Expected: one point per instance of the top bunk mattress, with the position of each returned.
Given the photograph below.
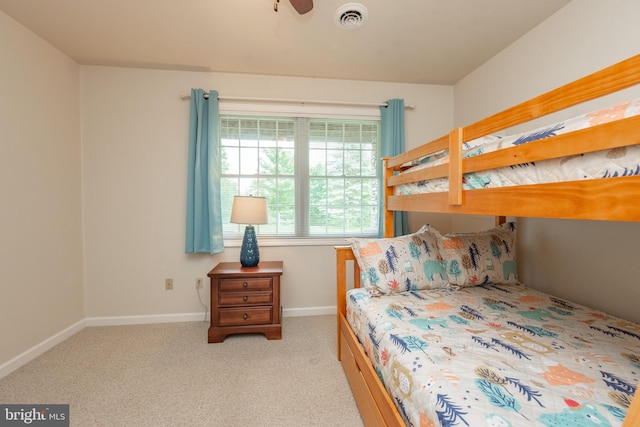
(498, 355)
(623, 161)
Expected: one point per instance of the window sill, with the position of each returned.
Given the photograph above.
(273, 242)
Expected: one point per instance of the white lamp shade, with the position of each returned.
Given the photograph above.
(249, 210)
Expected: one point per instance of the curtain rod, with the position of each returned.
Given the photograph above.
(297, 101)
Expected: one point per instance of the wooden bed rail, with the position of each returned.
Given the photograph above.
(608, 80)
(344, 254)
(374, 404)
(632, 419)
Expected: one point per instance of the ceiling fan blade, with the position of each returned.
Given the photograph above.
(302, 6)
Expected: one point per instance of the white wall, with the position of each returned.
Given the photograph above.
(93, 179)
(135, 129)
(41, 289)
(595, 263)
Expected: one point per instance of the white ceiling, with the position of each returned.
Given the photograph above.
(412, 41)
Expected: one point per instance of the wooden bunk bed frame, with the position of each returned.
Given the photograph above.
(611, 199)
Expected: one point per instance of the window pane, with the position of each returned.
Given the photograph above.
(230, 160)
(248, 187)
(320, 176)
(228, 189)
(335, 220)
(286, 221)
(248, 128)
(354, 220)
(335, 191)
(286, 133)
(248, 160)
(334, 132)
(318, 220)
(286, 161)
(285, 191)
(335, 165)
(317, 163)
(268, 161)
(269, 189)
(353, 192)
(317, 191)
(370, 219)
(370, 190)
(352, 163)
(267, 130)
(368, 164)
(229, 128)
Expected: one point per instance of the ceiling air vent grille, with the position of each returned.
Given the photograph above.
(351, 16)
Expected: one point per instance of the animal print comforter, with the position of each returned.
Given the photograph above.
(498, 355)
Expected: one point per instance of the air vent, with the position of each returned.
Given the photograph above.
(351, 16)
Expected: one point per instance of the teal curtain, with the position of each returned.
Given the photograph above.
(392, 143)
(204, 214)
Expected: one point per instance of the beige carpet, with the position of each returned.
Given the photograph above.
(167, 375)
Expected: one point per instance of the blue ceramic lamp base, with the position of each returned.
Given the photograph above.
(249, 254)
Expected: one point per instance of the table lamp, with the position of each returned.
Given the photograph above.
(249, 210)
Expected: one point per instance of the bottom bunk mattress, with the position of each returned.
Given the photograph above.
(498, 355)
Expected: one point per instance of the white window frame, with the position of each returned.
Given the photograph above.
(296, 109)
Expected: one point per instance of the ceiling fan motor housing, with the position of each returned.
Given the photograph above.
(302, 6)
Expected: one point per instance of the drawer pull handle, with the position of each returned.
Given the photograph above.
(245, 298)
(244, 284)
(245, 316)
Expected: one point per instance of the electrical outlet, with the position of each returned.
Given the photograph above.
(168, 284)
(199, 283)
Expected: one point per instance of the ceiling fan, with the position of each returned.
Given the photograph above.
(301, 6)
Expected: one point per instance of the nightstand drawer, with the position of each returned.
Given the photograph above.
(245, 298)
(244, 316)
(246, 284)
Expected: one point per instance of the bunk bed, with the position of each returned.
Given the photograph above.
(452, 162)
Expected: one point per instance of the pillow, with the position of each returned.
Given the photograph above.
(480, 258)
(406, 263)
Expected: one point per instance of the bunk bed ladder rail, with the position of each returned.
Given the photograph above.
(455, 166)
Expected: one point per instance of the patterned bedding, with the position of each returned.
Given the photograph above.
(498, 355)
(602, 164)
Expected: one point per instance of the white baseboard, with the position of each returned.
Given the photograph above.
(195, 317)
(145, 319)
(38, 349)
(309, 311)
(13, 364)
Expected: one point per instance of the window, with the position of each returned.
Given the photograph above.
(320, 176)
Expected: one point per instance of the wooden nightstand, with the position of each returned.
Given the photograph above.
(245, 300)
